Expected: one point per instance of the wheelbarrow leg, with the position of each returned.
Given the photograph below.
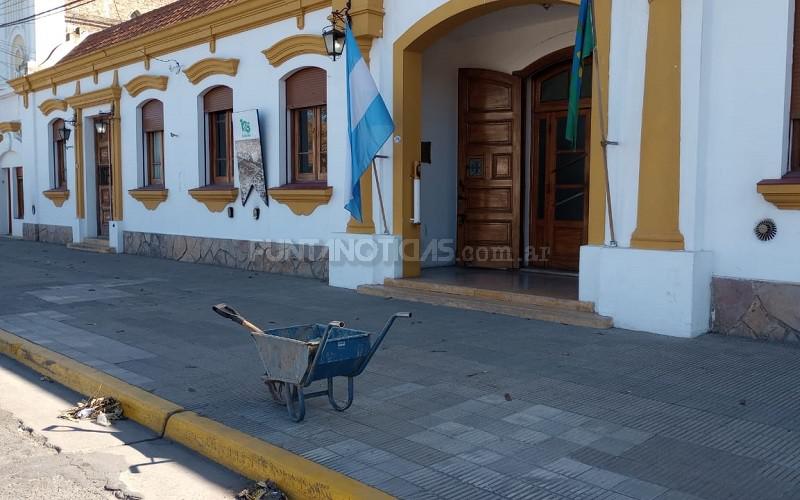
(332, 398)
(295, 402)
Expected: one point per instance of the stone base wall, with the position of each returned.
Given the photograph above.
(309, 261)
(756, 309)
(47, 233)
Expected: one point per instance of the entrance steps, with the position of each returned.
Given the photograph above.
(94, 245)
(521, 305)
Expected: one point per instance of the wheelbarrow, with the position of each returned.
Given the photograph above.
(296, 356)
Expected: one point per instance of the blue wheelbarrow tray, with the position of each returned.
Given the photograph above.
(288, 353)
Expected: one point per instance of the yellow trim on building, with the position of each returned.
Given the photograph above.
(146, 82)
(10, 127)
(597, 168)
(80, 205)
(204, 68)
(294, 46)
(57, 196)
(50, 105)
(784, 195)
(658, 224)
(215, 199)
(151, 198)
(300, 200)
(241, 16)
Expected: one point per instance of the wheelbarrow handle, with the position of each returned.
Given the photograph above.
(321, 347)
(232, 314)
(380, 338)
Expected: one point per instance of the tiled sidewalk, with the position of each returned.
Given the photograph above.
(457, 404)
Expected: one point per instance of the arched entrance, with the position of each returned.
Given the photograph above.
(407, 92)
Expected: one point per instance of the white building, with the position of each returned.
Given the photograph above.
(696, 96)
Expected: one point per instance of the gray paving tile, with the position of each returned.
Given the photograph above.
(640, 490)
(603, 478)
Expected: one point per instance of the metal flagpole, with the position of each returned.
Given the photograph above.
(380, 197)
(604, 133)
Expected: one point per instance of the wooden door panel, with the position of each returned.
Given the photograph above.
(496, 233)
(103, 179)
(494, 199)
(490, 95)
(489, 168)
(490, 133)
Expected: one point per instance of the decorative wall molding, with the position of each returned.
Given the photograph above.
(782, 193)
(301, 200)
(107, 95)
(146, 82)
(235, 18)
(51, 105)
(149, 197)
(214, 198)
(294, 46)
(204, 68)
(10, 127)
(57, 196)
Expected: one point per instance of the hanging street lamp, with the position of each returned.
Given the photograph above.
(333, 35)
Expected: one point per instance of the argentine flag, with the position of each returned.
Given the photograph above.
(369, 120)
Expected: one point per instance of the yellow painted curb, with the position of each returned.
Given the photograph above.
(298, 477)
(251, 457)
(138, 404)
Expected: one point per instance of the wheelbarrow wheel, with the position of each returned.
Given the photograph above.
(275, 388)
(332, 398)
(295, 401)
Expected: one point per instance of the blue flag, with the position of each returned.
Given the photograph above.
(584, 46)
(370, 124)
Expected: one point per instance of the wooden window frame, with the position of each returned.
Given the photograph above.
(59, 157)
(150, 146)
(316, 176)
(19, 184)
(211, 121)
(794, 115)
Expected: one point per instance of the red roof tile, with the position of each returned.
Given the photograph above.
(155, 20)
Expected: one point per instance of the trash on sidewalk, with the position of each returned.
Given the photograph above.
(262, 490)
(102, 411)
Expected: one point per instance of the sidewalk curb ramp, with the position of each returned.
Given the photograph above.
(253, 458)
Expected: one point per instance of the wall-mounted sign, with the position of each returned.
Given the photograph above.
(250, 161)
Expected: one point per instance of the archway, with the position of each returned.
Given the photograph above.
(407, 92)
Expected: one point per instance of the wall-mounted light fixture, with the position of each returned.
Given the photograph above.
(333, 35)
(101, 122)
(230, 212)
(64, 133)
(256, 213)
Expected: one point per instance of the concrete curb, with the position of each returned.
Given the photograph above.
(244, 454)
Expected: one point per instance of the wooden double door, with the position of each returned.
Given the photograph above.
(103, 178)
(491, 181)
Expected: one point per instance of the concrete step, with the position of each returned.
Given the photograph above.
(516, 298)
(94, 245)
(474, 303)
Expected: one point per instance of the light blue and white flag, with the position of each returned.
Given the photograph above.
(369, 120)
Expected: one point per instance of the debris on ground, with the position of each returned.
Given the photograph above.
(507, 396)
(45, 378)
(262, 490)
(102, 411)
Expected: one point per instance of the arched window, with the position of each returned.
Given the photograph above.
(59, 145)
(218, 106)
(153, 130)
(306, 102)
(19, 57)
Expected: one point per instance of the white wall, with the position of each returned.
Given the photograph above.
(491, 42)
(743, 136)
(257, 86)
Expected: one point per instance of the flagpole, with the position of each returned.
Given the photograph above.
(380, 197)
(603, 132)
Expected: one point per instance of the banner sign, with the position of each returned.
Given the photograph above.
(247, 146)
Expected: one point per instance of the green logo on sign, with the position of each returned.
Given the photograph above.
(245, 126)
